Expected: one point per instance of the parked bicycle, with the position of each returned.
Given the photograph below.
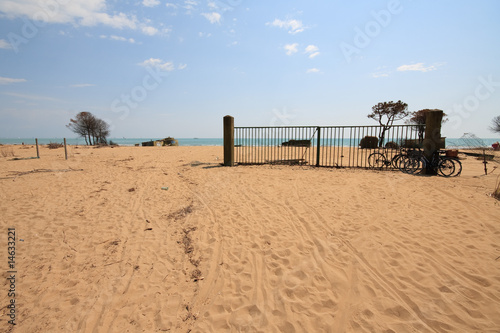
(378, 160)
(443, 165)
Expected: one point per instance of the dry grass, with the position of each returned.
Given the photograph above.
(7, 151)
(496, 192)
(55, 145)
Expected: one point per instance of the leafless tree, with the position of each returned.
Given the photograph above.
(93, 129)
(495, 124)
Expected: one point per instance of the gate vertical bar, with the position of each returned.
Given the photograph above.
(318, 148)
(228, 141)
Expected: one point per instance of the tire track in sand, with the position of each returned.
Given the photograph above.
(207, 288)
(115, 287)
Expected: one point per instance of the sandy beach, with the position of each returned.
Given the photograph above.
(164, 239)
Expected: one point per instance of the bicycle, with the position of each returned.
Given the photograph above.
(377, 160)
(442, 165)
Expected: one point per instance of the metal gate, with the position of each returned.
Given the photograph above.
(322, 146)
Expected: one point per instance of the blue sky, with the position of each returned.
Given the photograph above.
(156, 68)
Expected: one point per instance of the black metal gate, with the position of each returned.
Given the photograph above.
(322, 146)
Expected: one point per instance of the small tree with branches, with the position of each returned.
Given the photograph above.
(386, 113)
(420, 118)
(495, 124)
(94, 130)
(100, 131)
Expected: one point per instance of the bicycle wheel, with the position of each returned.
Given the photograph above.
(396, 161)
(458, 167)
(413, 165)
(446, 167)
(399, 161)
(377, 160)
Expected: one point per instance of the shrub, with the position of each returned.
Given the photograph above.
(411, 143)
(369, 142)
(55, 145)
(392, 145)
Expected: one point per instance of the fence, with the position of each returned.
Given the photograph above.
(321, 146)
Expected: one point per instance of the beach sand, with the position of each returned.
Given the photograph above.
(104, 246)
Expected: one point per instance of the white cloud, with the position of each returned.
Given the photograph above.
(119, 38)
(291, 48)
(166, 31)
(189, 5)
(379, 74)
(32, 97)
(4, 44)
(167, 66)
(150, 31)
(312, 50)
(212, 17)
(293, 26)
(123, 39)
(77, 12)
(171, 5)
(181, 66)
(82, 85)
(150, 3)
(312, 70)
(416, 67)
(8, 80)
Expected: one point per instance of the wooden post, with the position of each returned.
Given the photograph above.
(432, 140)
(37, 151)
(318, 148)
(65, 150)
(484, 162)
(228, 141)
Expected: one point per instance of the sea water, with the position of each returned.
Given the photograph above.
(119, 141)
(450, 142)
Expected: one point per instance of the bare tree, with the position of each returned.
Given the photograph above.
(93, 129)
(82, 125)
(386, 113)
(420, 118)
(101, 131)
(495, 124)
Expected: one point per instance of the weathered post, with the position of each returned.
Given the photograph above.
(318, 148)
(228, 141)
(37, 151)
(65, 150)
(432, 140)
